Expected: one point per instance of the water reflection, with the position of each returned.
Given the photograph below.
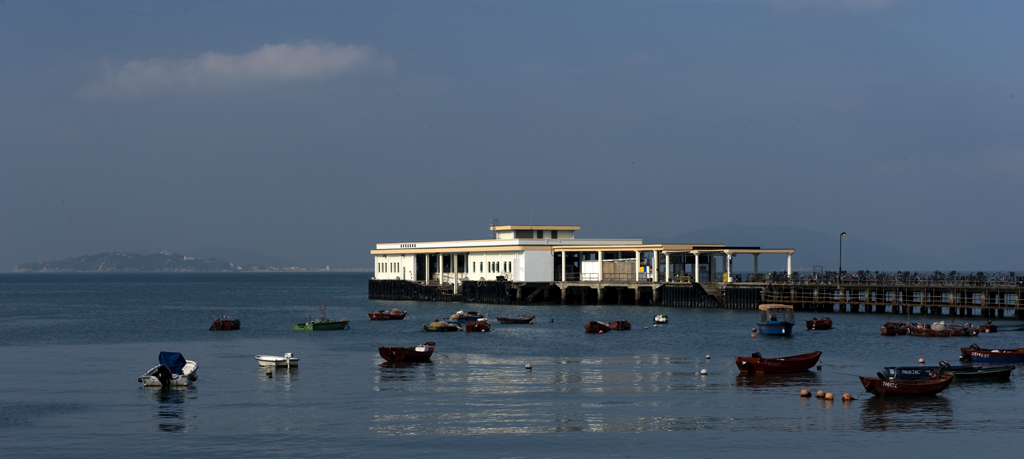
(906, 413)
(799, 379)
(171, 404)
(405, 371)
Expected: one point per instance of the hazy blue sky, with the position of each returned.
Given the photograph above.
(313, 130)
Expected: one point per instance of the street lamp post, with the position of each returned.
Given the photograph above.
(841, 236)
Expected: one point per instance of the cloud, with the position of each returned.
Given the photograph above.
(212, 71)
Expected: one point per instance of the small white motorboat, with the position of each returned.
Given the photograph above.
(661, 319)
(173, 370)
(288, 360)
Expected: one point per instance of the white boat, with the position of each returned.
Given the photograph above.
(661, 319)
(277, 361)
(173, 370)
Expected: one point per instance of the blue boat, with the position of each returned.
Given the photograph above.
(776, 319)
(971, 372)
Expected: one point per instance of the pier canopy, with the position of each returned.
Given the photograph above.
(552, 253)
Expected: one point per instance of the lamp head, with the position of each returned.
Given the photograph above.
(843, 235)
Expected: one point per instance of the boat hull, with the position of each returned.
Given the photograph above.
(516, 320)
(226, 324)
(277, 361)
(789, 364)
(904, 388)
(992, 355)
(819, 324)
(440, 326)
(419, 353)
(661, 319)
(160, 376)
(478, 326)
(961, 372)
(322, 326)
(775, 328)
(381, 315)
(620, 325)
(596, 327)
(894, 329)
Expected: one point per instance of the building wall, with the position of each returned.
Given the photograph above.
(539, 266)
(394, 267)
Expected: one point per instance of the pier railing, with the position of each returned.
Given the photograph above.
(900, 278)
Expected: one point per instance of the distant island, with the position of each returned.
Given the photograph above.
(163, 262)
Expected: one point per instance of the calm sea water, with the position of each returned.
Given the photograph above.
(73, 345)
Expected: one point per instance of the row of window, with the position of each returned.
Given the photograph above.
(389, 267)
(494, 266)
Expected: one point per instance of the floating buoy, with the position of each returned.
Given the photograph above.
(920, 360)
(753, 335)
(600, 331)
(753, 329)
(529, 367)
(645, 328)
(829, 396)
(551, 319)
(531, 321)
(805, 393)
(847, 397)
(707, 357)
(821, 393)
(655, 326)
(703, 372)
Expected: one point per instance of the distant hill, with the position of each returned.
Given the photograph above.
(120, 262)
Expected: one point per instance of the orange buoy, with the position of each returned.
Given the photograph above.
(753, 335)
(829, 396)
(920, 360)
(805, 393)
(753, 329)
(847, 397)
(821, 393)
(600, 331)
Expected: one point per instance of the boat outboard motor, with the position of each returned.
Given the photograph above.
(756, 355)
(943, 365)
(974, 346)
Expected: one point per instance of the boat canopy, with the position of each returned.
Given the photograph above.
(173, 361)
(776, 313)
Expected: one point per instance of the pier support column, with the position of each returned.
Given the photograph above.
(654, 296)
(600, 295)
(728, 267)
(755, 265)
(789, 264)
(600, 270)
(654, 264)
(696, 266)
(565, 289)
(636, 271)
(563, 275)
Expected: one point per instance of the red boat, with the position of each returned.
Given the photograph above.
(478, 326)
(596, 327)
(882, 387)
(978, 354)
(224, 323)
(927, 332)
(419, 353)
(894, 328)
(516, 320)
(621, 324)
(819, 324)
(988, 328)
(758, 364)
(393, 314)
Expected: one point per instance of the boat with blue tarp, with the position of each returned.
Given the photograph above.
(776, 319)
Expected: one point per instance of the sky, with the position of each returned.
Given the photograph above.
(313, 130)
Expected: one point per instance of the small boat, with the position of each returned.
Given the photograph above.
(441, 326)
(962, 372)
(962, 330)
(621, 324)
(419, 353)
(776, 319)
(322, 322)
(516, 320)
(393, 314)
(977, 354)
(661, 319)
(596, 327)
(895, 328)
(824, 323)
(225, 323)
(287, 360)
(930, 330)
(881, 386)
(463, 317)
(173, 370)
(988, 328)
(478, 326)
(758, 364)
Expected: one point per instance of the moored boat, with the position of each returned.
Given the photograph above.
(225, 323)
(516, 320)
(441, 326)
(621, 324)
(962, 372)
(287, 360)
(977, 354)
(478, 326)
(661, 319)
(419, 353)
(895, 328)
(824, 323)
(882, 386)
(928, 331)
(758, 364)
(463, 317)
(173, 370)
(596, 327)
(383, 314)
(776, 319)
(988, 328)
(322, 323)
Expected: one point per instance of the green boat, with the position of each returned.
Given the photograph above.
(322, 322)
